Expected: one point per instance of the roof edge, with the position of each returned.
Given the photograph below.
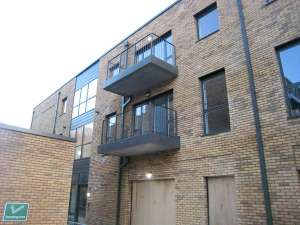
(37, 133)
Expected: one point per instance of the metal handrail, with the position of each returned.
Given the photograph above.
(139, 42)
(131, 55)
(151, 119)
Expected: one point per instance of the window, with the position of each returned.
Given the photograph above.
(269, 1)
(85, 99)
(115, 70)
(111, 128)
(155, 115)
(84, 137)
(78, 203)
(207, 21)
(290, 66)
(64, 105)
(215, 104)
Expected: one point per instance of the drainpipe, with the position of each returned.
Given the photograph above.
(55, 118)
(259, 138)
(123, 162)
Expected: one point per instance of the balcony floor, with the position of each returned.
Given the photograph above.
(140, 145)
(140, 77)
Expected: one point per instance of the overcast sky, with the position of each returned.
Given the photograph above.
(43, 44)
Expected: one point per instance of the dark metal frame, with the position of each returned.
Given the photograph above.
(204, 111)
(83, 126)
(202, 13)
(131, 124)
(111, 65)
(105, 121)
(287, 45)
(256, 116)
(87, 99)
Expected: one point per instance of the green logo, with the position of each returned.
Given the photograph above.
(15, 211)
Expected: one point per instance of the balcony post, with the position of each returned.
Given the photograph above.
(151, 45)
(152, 119)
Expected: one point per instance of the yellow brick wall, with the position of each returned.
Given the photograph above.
(36, 169)
(232, 153)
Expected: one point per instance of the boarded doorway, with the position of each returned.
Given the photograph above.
(153, 202)
(221, 201)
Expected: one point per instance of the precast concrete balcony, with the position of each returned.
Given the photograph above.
(147, 64)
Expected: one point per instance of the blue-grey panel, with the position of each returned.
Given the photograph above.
(83, 119)
(91, 73)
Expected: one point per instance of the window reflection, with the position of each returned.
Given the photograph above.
(290, 64)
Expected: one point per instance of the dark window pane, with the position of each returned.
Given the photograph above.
(215, 104)
(215, 93)
(73, 203)
(217, 121)
(82, 200)
(290, 63)
(208, 22)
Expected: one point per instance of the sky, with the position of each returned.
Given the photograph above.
(43, 44)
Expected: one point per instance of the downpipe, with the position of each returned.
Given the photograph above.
(259, 138)
(122, 163)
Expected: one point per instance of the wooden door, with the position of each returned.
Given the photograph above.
(153, 203)
(221, 200)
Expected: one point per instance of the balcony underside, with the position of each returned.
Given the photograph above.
(140, 77)
(140, 145)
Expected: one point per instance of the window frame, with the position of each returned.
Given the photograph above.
(286, 45)
(204, 111)
(107, 118)
(86, 99)
(203, 12)
(64, 102)
(82, 144)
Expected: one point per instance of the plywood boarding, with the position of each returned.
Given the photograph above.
(153, 202)
(221, 200)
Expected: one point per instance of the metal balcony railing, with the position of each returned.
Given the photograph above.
(151, 45)
(143, 120)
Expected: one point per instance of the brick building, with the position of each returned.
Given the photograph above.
(195, 119)
(36, 169)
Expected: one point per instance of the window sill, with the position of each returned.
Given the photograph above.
(81, 159)
(215, 134)
(293, 117)
(200, 39)
(269, 2)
